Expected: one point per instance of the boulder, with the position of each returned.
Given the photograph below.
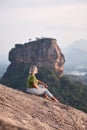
(43, 52)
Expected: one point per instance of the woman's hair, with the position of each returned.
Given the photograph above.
(33, 68)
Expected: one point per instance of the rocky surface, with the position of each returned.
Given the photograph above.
(21, 111)
(42, 52)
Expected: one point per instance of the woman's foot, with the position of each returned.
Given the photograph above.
(54, 99)
(46, 97)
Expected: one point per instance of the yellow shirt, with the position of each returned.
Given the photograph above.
(31, 79)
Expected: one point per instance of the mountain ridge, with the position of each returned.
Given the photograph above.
(81, 44)
(76, 56)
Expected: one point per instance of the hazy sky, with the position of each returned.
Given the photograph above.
(65, 20)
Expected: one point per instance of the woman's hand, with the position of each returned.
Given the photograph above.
(45, 85)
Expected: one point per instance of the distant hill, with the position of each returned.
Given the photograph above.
(76, 56)
(79, 44)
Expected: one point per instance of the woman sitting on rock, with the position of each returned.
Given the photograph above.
(37, 87)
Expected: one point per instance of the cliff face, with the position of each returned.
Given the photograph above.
(44, 52)
(21, 111)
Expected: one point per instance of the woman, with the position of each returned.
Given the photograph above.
(37, 87)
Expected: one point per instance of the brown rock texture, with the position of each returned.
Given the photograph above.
(42, 52)
(21, 111)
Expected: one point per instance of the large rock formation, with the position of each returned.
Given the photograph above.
(42, 52)
(21, 111)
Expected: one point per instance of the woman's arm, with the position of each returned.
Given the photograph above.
(45, 85)
(34, 85)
